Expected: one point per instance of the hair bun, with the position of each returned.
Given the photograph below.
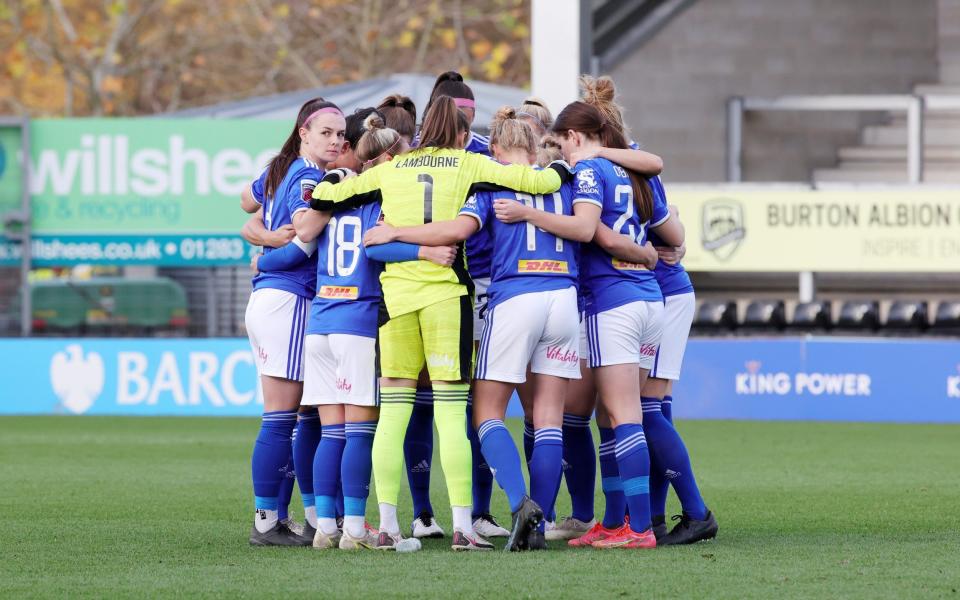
(373, 121)
(505, 113)
(597, 90)
(450, 76)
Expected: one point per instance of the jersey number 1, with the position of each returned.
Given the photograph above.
(427, 182)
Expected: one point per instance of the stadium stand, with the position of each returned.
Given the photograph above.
(947, 319)
(907, 316)
(812, 316)
(715, 317)
(767, 315)
(859, 315)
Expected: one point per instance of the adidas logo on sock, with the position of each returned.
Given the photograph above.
(564, 465)
(262, 514)
(671, 474)
(421, 467)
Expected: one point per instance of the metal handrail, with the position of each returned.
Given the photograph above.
(914, 105)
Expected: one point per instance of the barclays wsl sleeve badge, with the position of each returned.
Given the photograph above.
(722, 227)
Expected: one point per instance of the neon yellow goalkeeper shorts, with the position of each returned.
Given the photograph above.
(439, 335)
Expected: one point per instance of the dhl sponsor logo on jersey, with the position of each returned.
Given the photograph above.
(339, 292)
(622, 265)
(543, 266)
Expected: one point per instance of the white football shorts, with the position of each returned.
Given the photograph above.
(481, 285)
(584, 346)
(678, 312)
(539, 329)
(625, 334)
(340, 369)
(276, 321)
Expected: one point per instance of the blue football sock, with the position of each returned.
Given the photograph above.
(501, 454)
(666, 407)
(527, 442)
(616, 503)
(306, 437)
(326, 470)
(482, 475)
(355, 467)
(669, 457)
(418, 450)
(659, 486)
(285, 492)
(545, 468)
(634, 464)
(581, 465)
(271, 452)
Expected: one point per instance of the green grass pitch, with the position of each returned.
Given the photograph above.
(146, 507)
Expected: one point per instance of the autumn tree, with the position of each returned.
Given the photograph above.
(129, 57)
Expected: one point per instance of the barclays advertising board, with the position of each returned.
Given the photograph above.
(779, 379)
(129, 377)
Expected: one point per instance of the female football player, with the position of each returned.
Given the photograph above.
(340, 348)
(429, 307)
(451, 84)
(277, 310)
(531, 318)
(623, 305)
(400, 114)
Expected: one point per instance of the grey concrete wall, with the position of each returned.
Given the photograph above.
(674, 88)
(948, 50)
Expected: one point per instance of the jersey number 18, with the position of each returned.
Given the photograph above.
(343, 236)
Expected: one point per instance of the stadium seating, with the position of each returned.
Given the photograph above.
(812, 316)
(947, 319)
(859, 315)
(907, 316)
(766, 315)
(715, 317)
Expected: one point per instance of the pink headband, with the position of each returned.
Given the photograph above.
(325, 110)
(464, 103)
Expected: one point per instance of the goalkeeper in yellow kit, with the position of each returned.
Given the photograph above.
(429, 308)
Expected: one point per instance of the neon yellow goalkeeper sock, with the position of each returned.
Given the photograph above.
(396, 405)
(450, 414)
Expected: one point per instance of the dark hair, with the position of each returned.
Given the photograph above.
(290, 151)
(355, 128)
(442, 124)
(587, 119)
(400, 114)
(450, 84)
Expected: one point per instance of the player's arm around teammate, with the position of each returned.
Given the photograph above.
(623, 307)
(428, 307)
(276, 316)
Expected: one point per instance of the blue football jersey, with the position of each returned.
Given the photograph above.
(607, 282)
(477, 143)
(479, 248)
(673, 279)
(348, 282)
(298, 184)
(525, 258)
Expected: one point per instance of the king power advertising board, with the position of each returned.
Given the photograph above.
(781, 379)
(141, 191)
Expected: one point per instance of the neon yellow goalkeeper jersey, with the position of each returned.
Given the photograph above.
(423, 186)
